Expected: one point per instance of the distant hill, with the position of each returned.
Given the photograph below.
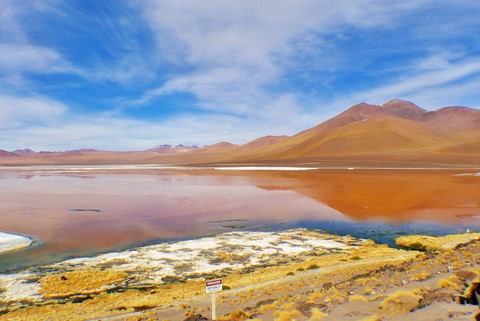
(396, 133)
(4, 153)
(23, 151)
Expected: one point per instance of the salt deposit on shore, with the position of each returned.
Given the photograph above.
(10, 242)
(197, 258)
(468, 174)
(192, 258)
(265, 168)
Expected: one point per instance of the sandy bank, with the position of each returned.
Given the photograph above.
(11, 242)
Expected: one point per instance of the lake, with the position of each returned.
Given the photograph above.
(83, 211)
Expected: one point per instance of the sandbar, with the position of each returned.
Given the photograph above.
(11, 242)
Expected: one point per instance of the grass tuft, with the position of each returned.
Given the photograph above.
(400, 302)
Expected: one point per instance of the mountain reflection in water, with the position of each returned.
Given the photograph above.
(88, 213)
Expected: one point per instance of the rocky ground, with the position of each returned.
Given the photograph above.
(292, 275)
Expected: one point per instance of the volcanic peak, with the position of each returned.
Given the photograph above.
(404, 109)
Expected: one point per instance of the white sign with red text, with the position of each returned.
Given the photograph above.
(213, 286)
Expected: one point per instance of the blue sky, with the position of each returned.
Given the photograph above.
(129, 75)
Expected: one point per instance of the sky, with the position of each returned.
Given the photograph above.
(134, 74)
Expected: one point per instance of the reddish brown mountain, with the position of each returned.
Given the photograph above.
(262, 142)
(404, 109)
(4, 153)
(395, 133)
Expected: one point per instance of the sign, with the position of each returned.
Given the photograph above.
(213, 286)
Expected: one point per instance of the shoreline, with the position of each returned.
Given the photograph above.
(174, 261)
(264, 271)
(229, 167)
(385, 235)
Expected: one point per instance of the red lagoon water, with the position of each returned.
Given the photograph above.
(88, 213)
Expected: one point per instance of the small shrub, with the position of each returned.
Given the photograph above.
(239, 315)
(300, 269)
(286, 315)
(226, 287)
(290, 273)
(450, 282)
(314, 297)
(317, 314)
(313, 267)
(355, 258)
(421, 276)
(361, 298)
(368, 290)
(400, 302)
(289, 306)
(333, 294)
(417, 246)
(267, 307)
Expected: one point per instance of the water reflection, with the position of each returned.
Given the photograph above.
(88, 213)
(73, 216)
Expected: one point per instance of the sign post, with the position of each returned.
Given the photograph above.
(212, 287)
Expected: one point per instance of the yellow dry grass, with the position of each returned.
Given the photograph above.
(441, 243)
(286, 315)
(360, 298)
(79, 282)
(400, 302)
(262, 279)
(317, 314)
(450, 282)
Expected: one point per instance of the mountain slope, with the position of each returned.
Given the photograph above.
(396, 132)
(404, 109)
(4, 153)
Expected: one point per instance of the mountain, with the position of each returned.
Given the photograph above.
(404, 109)
(395, 133)
(218, 148)
(4, 153)
(396, 129)
(172, 149)
(24, 151)
(456, 121)
(262, 142)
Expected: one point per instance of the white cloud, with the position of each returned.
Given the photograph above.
(234, 58)
(116, 133)
(237, 51)
(107, 132)
(20, 58)
(429, 82)
(20, 111)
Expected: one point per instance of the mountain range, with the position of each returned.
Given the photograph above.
(396, 133)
